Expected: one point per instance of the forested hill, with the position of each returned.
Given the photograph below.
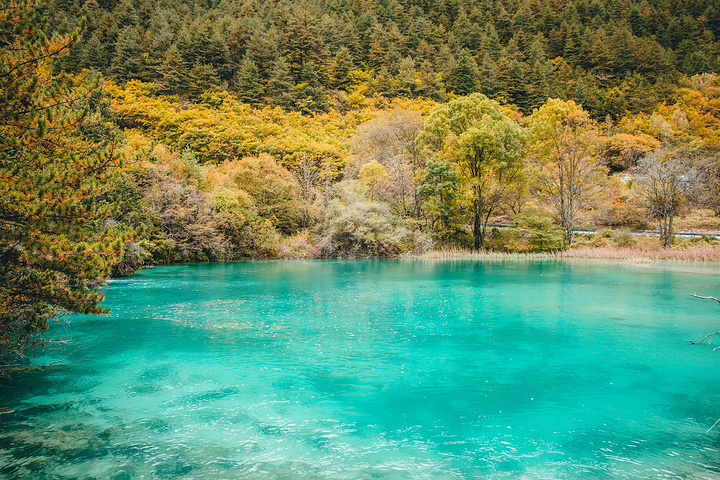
(611, 56)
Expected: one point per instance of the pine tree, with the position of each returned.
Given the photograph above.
(173, 75)
(160, 39)
(91, 12)
(425, 51)
(310, 94)
(429, 85)
(405, 79)
(503, 83)
(537, 87)
(465, 32)
(445, 64)
(279, 88)
(522, 25)
(126, 15)
(376, 56)
(93, 56)
(518, 94)
(392, 59)
(571, 52)
(262, 49)
(513, 50)
(536, 50)
(488, 76)
(127, 64)
(53, 251)
(200, 79)
(303, 41)
(248, 83)
(341, 68)
(490, 43)
(383, 83)
(466, 74)
(637, 22)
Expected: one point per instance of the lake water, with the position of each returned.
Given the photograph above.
(394, 369)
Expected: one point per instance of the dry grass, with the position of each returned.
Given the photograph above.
(638, 253)
(698, 220)
(700, 253)
(457, 252)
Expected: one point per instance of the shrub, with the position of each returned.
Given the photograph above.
(540, 230)
(184, 220)
(356, 228)
(623, 238)
(134, 256)
(534, 233)
(300, 245)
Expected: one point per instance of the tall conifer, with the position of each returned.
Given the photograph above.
(53, 250)
(248, 82)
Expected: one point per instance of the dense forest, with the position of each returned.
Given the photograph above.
(141, 132)
(611, 56)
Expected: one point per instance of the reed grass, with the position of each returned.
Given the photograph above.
(637, 253)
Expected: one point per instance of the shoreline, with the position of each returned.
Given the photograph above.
(700, 254)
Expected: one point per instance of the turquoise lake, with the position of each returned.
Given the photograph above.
(397, 369)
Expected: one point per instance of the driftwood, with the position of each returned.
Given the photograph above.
(709, 335)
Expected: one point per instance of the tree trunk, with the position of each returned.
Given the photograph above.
(478, 238)
(477, 235)
(666, 231)
(568, 235)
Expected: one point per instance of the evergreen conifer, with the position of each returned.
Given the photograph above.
(55, 163)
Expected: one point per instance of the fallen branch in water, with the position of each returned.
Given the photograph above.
(704, 298)
(709, 335)
(708, 430)
(705, 338)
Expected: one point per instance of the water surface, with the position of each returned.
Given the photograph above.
(393, 369)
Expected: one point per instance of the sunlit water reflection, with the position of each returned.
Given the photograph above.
(378, 370)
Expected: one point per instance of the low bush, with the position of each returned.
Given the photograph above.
(356, 228)
(533, 233)
(623, 238)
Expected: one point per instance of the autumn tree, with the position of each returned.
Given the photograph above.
(487, 147)
(273, 189)
(307, 175)
(392, 141)
(57, 157)
(564, 143)
(666, 184)
(439, 191)
(185, 221)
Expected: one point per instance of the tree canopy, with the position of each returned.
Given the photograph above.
(56, 243)
(612, 57)
(487, 148)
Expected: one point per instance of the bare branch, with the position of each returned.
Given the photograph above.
(708, 430)
(704, 298)
(705, 338)
(709, 334)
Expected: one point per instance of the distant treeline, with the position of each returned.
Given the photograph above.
(612, 56)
